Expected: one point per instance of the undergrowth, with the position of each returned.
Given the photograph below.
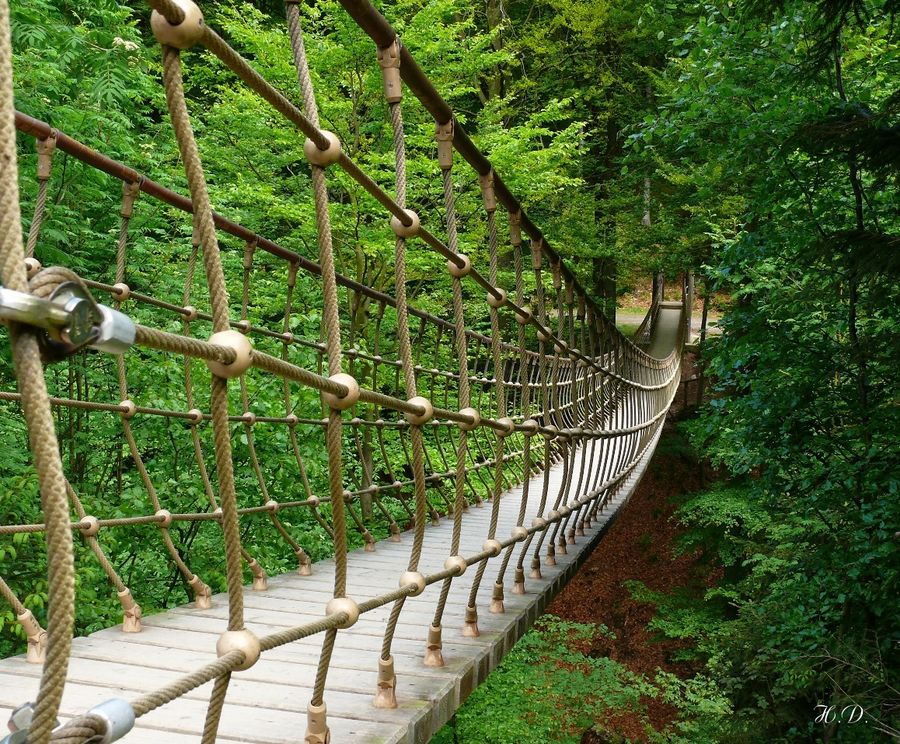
(548, 689)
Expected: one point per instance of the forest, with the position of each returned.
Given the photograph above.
(755, 143)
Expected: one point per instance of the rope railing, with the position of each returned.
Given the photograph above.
(364, 436)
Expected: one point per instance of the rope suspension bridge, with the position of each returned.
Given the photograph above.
(515, 446)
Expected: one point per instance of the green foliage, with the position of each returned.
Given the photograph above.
(769, 135)
(548, 689)
(91, 69)
(765, 145)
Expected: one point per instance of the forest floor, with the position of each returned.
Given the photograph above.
(641, 546)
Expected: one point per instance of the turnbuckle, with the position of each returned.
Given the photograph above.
(71, 318)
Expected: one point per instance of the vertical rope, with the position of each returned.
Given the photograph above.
(515, 238)
(445, 155)
(38, 417)
(409, 376)
(330, 306)
(218, 295)
(490, 205)
(45, 148)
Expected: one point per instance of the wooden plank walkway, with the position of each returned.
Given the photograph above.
(665, 330)
(267, 703)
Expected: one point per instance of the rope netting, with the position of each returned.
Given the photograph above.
(367, 437)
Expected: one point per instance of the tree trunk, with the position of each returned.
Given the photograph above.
(493, 84)
(689, 310)
(605, 284)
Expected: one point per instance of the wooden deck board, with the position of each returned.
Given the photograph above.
(267, 703)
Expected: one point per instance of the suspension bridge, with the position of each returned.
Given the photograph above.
(489, 462)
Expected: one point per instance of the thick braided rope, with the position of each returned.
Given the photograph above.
(45, 151)
(10, 596)
(499, 388)
(38, 416)
(409, 374)
(515, 235)
(215, 279)
(218, 295)
(464, 390)
(77, 731)
(214, 711)
(331, 319)
(214, 670)
(324, 661)
(330, 303)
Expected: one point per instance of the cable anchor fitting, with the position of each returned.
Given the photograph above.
(444, 135)
(130, 191)
(317, 731)
(386, 692)
(37, 638)
(389, 59)
(486, 181)
(515, 228)
(537, 253)
(45, 149)
(433, 655)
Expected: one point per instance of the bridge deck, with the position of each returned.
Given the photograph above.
(267, 703)
(665, 330)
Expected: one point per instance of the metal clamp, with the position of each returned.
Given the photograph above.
(20, 724)
(71, 318)
(117, 715)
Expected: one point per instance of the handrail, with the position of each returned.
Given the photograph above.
(415, 415)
